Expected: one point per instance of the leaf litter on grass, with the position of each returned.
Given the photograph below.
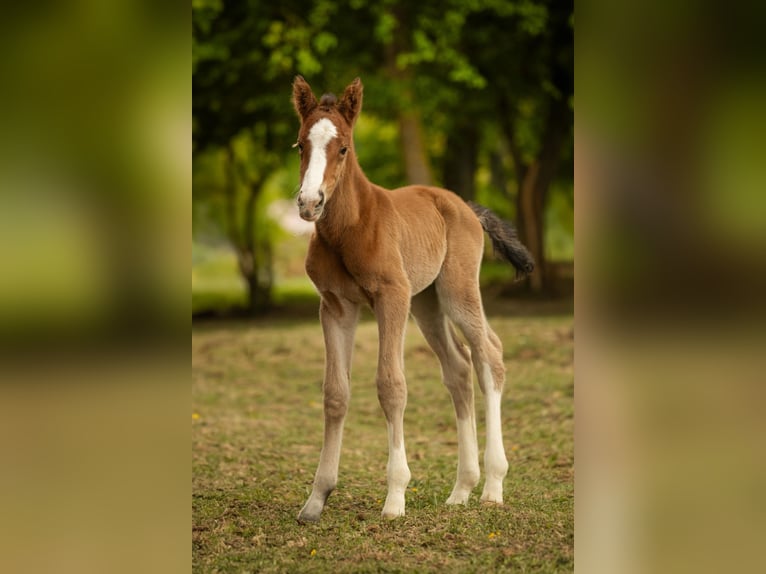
(254, 457)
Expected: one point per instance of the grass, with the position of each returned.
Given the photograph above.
(257, 432)
(218, 287)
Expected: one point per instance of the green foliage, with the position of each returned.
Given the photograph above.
(559, 219)
(377, 146)
(499, 65)
(385, 27)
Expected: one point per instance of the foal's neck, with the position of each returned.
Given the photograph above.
(349, 203)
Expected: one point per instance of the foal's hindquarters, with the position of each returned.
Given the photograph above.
(455, 297)
(456, 360)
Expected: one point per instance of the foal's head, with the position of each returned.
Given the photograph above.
(324, 142)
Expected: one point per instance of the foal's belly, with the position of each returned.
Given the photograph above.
(423, 264)
(423, 277)
(423, 248)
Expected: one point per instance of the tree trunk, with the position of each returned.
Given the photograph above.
(534, 180)
(416, 164)
(497, 176)
(258, 295)
(258, 279)
(461, 159)
(255, 270)
(529, 207)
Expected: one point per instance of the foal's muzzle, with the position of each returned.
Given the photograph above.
(311, 210)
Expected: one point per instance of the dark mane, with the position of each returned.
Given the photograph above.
(328, 100)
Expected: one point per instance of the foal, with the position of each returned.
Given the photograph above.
(416, 249)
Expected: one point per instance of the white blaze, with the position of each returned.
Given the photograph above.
(320, 134)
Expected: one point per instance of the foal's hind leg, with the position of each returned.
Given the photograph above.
(339, 318)
(492, 381)
(455, 362)
(462, 302)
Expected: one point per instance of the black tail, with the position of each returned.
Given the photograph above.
(505, 241)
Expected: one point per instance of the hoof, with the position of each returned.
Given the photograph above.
(458, 498)
(392, 509)
(306, 518)
(489, 500)
(309, 513)
(493, 492)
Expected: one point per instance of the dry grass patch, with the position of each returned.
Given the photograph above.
(257, 431)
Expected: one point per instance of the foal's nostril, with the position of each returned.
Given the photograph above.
(321, 199)
(301, 203)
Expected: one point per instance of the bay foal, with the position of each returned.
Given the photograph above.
(416, 249)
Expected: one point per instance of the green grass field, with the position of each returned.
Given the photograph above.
(257, 432)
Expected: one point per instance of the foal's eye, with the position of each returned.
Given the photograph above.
(343, 150)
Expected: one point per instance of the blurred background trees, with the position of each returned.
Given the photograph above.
(472, 95)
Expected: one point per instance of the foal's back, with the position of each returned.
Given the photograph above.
(421, 205)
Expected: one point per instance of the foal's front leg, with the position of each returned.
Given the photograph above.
(339, 318)
(392, 310)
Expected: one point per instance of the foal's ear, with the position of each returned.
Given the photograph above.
(303, 98)
(351, 102)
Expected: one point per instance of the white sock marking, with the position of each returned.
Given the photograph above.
(468, 461)
(398, 477)
(495, 463)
